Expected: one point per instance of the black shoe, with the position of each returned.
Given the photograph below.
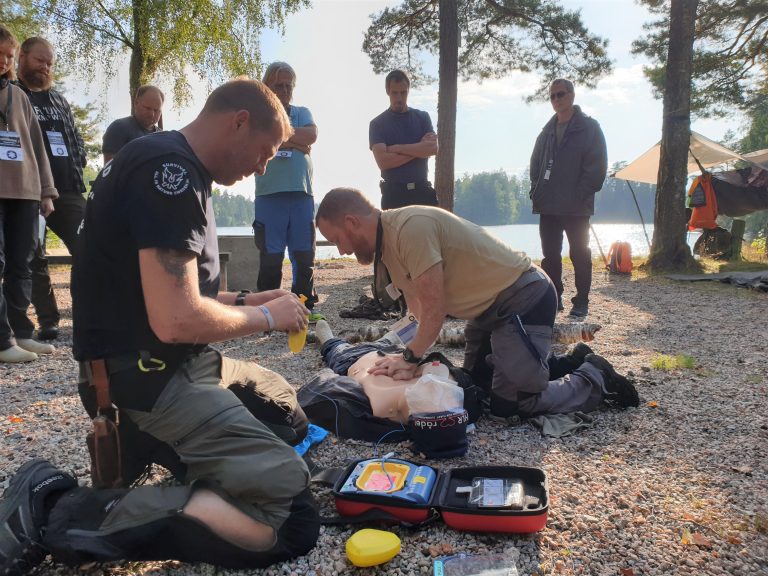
(578, 353)
(560, 306)
(23, 514)
(619, 389)
(48, 333)
(579, 310)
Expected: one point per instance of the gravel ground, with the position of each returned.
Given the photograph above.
(676, 486)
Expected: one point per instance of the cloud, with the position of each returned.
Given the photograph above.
(622, 87)
(477, 96)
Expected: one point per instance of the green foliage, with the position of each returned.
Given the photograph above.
(730, 47)
(19, 16)
(488, 198)
(217, 40)
(497, 37)
(87, 120)
(232, 209)
(669, 363)
(495, 198)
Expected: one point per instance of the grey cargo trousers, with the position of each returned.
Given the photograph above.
(521, 383)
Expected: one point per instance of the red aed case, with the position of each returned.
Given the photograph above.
(516, 498)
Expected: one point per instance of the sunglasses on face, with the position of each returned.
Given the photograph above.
(558, 95)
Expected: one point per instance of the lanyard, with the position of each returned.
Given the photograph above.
(5, 115)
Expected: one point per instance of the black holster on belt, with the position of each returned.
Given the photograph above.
(104, 438)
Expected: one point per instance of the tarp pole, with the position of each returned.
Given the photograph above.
(640, 213)
(598, 245)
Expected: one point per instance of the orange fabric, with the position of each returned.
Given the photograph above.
(705, 216)
(620, 258)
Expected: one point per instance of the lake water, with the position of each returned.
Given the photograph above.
(525, 237)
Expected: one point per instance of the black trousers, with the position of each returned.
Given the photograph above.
(18, 234)
(576, 228)
(398, 194)
(69, 209)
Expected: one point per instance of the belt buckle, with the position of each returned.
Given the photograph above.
(410, 186)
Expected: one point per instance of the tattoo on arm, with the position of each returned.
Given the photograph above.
(174, 262)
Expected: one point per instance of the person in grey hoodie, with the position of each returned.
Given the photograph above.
(568, 166)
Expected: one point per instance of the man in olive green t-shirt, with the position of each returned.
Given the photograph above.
(445, 265)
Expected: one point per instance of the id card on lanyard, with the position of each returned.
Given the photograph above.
(56, 143)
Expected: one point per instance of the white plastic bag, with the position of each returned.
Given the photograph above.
(432, 393)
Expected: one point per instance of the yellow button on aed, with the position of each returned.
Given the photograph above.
(369, 547)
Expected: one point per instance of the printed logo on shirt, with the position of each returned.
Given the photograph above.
(107, 169)
(172, 179)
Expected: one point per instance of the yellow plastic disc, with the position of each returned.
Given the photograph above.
(369, 547)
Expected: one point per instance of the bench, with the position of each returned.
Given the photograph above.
(66, 260)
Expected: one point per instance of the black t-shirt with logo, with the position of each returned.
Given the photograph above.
(51, 119)
(154, 194)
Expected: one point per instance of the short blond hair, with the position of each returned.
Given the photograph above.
(264, 108)
(342, 201)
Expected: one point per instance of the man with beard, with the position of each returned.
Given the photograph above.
(66, 154)
(144, 119)
(448, 266)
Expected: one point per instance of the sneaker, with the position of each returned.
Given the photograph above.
(23, 514)
(618, 388)
(314, 317)
(14, 355)
(48, 332)
(579, 310)
(34, 346)
(578, 353)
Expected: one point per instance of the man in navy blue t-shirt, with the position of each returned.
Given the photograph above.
(146, 302)
(402, 140)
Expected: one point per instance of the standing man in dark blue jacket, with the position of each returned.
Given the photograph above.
(568, 166)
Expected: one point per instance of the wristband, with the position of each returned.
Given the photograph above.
(268, 316)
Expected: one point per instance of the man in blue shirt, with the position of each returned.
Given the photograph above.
(402, 140)
(284, 206)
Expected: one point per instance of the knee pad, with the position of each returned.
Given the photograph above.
(270, 271)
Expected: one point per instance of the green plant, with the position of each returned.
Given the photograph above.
(668, 363)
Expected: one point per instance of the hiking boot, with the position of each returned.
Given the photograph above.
(579, 310)
(23, 514)
(48, 332)
(578, 353)
(618, 388)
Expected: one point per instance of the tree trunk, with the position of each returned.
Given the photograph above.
(446, 102)
(670, 250)
(138, 72)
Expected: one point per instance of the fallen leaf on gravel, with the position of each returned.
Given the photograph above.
(686, 539)
(15, 419)
(701, 540)
(747, 470)
(761, 522)
(653, 404)
(734, 540)
(627, 572)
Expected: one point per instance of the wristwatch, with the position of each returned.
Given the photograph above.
(410, 357)
(240, 298)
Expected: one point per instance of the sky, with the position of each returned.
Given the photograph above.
(495, 128)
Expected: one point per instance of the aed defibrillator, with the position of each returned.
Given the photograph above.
(509, 499)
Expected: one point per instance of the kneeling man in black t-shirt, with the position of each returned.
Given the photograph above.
(146, 303)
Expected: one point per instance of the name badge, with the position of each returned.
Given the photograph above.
(406, 328)
(10, 147)
(284, 154)
(393, 292)
(56, 142)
